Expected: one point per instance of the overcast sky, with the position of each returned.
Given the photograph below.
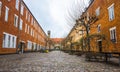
(51, 15)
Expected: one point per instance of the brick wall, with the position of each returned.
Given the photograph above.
(8, 27)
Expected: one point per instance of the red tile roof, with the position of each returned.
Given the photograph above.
(57, 40)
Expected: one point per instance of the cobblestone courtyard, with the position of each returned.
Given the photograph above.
(55, 61)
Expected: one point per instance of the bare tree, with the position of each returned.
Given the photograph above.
(75, 11)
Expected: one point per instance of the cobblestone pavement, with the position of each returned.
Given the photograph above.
(55, 61)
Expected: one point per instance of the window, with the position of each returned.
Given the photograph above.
(99, 28)
(26, 15)
(6, 13)
(26, 28)
(29, 18)
(0, 8)
(32, 21)
(111, 12)
(5, 40)
(34, 46)
(17, 4)
(21, 23)
(15, 20)
(9, 41)
(29, 45)
(113, 34)
(31, 31)
(22, 9)
(97, 11)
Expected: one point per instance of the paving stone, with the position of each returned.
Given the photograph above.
(55, 61)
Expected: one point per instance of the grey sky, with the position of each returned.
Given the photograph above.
(51, 14)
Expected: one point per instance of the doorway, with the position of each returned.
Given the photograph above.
(100, 45)
(22, 47)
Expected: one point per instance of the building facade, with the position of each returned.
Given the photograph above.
(19, 30)
(107, 25)
(101, 24)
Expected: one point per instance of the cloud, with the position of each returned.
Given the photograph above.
(51, 14)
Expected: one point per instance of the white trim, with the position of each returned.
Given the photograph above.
(112, 36)
(100, 28)
(6, 13)
(21, 24)
(16, 21)
(17, 4)
(22, 41)
(97, 10)
(112, 28)
(0, 8)
(111, 13)
(111, 5)
(26, 28)
(99, 40)
(12, 42)
(22, 9)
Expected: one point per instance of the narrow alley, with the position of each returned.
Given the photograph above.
(55, 61)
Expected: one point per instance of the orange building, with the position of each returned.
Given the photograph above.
(19, 30)
(107, 25)
(103, 19)
(57, 42)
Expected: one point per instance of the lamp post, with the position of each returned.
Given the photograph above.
(48, 39)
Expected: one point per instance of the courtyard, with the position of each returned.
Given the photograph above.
(55, 61)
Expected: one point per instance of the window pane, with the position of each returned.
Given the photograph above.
(6, 13)
(21, 23)
(9, 41)
(15, 20)
(22, 9)
(17, 4)
(0, 7)
(4, 38)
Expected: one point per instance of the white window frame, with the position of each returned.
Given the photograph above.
(29, 45)
(0, 8)
(31, 31)
(29, 17)
(111, 13)
(34, 46)
(15, 20)
(21, 24)
(112, 36)
(6, 13)
(99, 28)
(26, 27)
(7, 43)
(22, 9)
(97, 11)
(32, 21)
(17, 4)
(26, 14)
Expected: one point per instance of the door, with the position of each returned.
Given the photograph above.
(22, 47)
(100, 46)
